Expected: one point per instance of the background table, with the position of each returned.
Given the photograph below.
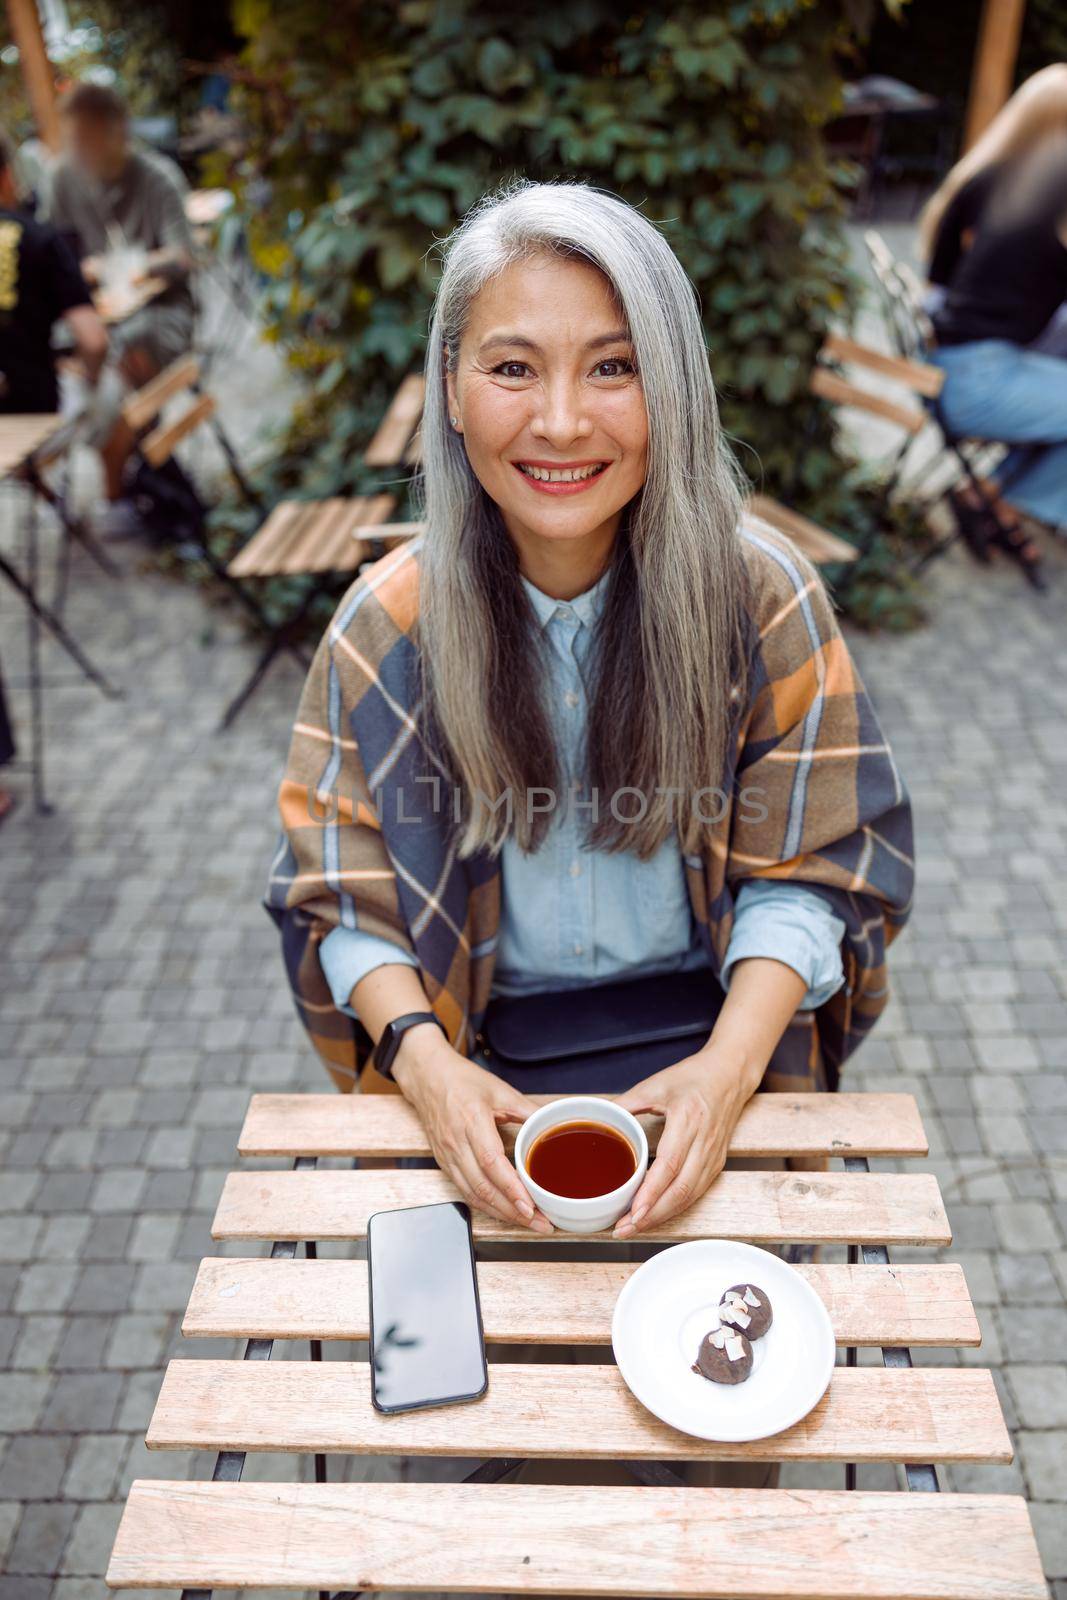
(656, 1538)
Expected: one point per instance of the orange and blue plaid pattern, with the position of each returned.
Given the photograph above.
(366, 844)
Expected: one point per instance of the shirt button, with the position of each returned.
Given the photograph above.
(570, 698)
(576, 869)
(578, 949)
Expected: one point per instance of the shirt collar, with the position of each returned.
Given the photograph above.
(586, 607)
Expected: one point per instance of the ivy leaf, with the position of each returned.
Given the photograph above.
(499, 67)
(397, 261)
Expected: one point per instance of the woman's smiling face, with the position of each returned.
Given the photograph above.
(550, 404)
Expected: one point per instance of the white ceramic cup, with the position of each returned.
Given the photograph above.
(599, 1211)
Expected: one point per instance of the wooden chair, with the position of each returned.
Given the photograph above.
(849, 375)
(157, 440)
(968, 460)
(324, 539)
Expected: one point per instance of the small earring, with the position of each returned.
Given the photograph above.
(454, 421)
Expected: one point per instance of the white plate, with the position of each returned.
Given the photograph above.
(667, 1307)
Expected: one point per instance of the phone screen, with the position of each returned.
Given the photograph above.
(427, 1347)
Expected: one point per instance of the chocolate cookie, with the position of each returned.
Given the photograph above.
(745, 1306)
(725, 1356)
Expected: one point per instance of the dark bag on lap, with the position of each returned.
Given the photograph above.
(601, 1039)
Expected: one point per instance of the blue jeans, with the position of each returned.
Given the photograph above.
(1003, 392)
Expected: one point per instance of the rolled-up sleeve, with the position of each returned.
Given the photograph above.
(347, 955)
(796, 926)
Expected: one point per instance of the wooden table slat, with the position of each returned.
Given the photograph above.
(581, 1413)
(21, 436)
(768, 1207)
(560, 1302)
(770, 1125)
(743, 1544)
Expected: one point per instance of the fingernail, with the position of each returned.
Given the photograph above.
(623, 1227)
(525, 1208)
(638, 1214)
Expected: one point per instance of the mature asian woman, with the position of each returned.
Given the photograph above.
(594, 733)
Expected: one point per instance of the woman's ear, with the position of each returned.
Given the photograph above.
(451, 396)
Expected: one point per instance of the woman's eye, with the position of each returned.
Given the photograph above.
(506, 369)
(621, 366)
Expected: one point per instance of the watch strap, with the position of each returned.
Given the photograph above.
(385, 1050)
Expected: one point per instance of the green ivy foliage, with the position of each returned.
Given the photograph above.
(378, 125)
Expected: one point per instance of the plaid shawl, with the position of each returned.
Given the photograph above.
(365, 841)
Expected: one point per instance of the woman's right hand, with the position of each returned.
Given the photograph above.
(462, 1108)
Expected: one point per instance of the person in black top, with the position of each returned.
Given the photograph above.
(955, 231)
(1003, 291)
(40, 283)
(1037, 109)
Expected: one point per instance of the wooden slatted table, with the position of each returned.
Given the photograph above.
(659, 1537)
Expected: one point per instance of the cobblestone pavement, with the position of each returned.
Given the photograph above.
(143, 1000)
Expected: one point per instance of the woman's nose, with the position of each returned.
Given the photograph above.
(562, 415)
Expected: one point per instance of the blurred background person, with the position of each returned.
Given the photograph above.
(948, 221)
(997, 236)
(126, 208)
(40, 284)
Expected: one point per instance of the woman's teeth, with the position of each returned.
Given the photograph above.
(566, 475)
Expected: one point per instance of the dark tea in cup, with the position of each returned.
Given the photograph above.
(581, 1159)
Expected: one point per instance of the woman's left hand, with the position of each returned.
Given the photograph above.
(701, 1099)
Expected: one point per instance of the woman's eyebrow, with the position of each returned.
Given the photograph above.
(619, 336)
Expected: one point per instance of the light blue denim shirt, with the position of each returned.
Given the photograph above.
(572, 916)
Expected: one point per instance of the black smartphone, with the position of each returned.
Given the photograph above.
(426, 1341)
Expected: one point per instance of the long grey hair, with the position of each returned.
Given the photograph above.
(670, 657)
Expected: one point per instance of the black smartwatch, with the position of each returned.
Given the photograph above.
(389, 1043)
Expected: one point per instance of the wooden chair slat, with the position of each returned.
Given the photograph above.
(771, 1207)
(315, 535)
(529, 1410)
(160, 443)
(829, 386)
(259, 557)
(818, 544)
(560, 1302)
(918, 376)
(312, 536)
(390, 534)
(879, 250)
(149, 400)
(394, 432)
(355, 538)
(770, 1125)
(340, 548)
(743, 1544)
(373, 510)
